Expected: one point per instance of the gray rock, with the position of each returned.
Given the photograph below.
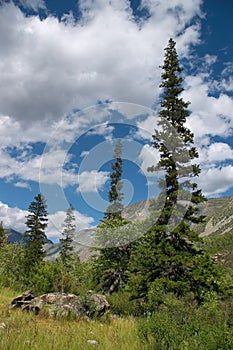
(62, 304)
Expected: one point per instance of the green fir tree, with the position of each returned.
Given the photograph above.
(111, 237)
(36, 223)
(68, 236)
(115, 196)
(169, 257)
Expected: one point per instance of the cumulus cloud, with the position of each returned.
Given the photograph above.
(56, 223)
(148, 157)
(104, 130)
(92, 181)
(14, 134)
(22, 185)
(49, 169)
(33, 4)
(49, 67)
(147, 127)
(209, 114)
(12, 217)
(215, 181)
(15, 218)
(215, 152)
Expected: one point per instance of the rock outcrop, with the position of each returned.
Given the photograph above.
(62, 304)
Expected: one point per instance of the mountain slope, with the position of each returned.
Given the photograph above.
(219, 221)
(14, 236)
(219, 216)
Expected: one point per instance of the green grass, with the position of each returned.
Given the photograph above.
(27, 331)
(174, 326)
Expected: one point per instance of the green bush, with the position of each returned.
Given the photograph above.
(43, 276)
(122, 305)
(179, 324)
(12, 269)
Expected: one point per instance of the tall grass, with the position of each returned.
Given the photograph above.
(26, 331)
(174, 326)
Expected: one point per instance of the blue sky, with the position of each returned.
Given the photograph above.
(78, 75)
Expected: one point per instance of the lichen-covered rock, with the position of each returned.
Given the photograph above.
(62, 304)
(22, 300)
(101, 304)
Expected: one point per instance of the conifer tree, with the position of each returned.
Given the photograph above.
(36, 222)
(175, 144)
(67, 240)
(113, 258)
(115, 195)
(167, 258)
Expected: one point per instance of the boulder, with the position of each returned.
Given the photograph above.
(62, 304)
(101, 305)
(22, 300)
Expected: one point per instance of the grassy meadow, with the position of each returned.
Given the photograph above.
(21, 331)
(174, 327)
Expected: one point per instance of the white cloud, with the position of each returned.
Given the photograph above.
(148, 157)
(216, 176)
(45, 168)
(33, 4)
(92, 181)
(215, 181)
(49, 67)
(210, 59)
(104, 130)
(56, 223)
(48, 169)
(216, 152)
(147, 126)
(84, 153)
(14, 134)
(22, 185)
(210, 115)
(15, 218)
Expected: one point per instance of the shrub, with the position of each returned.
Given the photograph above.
(121, 304)
(179, 324)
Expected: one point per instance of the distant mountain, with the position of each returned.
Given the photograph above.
(18, 237)
(14, 236)
(219, 221)
(219, 217)
(218, 212)
(82, 243)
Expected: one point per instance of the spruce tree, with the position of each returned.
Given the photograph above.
(168, 257)
(175, 144)
(67, 240)
(115, 195)
(36, 222)
(113, 256)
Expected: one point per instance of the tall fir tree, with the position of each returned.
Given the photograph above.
(36, 223)
(168, 257)
(115, 195)
(175, 144)
(68, 236)
(113, 259)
